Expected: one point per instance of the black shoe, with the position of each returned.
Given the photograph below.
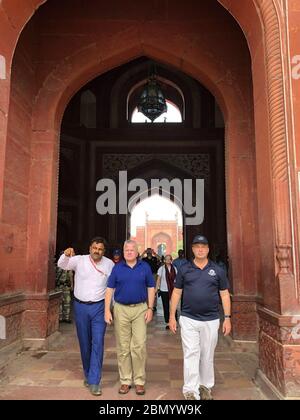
(167, 327)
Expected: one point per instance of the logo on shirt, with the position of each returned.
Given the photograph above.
(212, 273)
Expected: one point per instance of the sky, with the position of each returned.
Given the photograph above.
(172, 115)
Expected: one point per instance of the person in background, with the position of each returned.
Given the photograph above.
(180, 259)
(162, 260)
(220, 262)
(117, 256)
(178, 262)
(165, 284)
(64, 283)
(150, 257)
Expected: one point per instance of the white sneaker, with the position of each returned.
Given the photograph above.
(189, 396)
(205, 393)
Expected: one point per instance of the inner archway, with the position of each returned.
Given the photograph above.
(157, 223)
(194, 153)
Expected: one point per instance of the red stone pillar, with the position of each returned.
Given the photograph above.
(243, 212)
(11, 302)
(41, 315)
(7, 43)
(265, 24)
(279, 341)
(242, 227)
(25, 310)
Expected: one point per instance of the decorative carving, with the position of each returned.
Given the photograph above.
(271, 360)
(196, 164)
(278, 131)
(244, 320)
(283, 257)
(279, 355)
(284, 334)
(275, 88)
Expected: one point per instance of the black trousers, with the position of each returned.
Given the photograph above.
(166, 306)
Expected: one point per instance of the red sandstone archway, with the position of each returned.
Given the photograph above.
(262, 24)
(53, 99)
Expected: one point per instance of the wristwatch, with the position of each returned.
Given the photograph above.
(149, 307)
(227, 316)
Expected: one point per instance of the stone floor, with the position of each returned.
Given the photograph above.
(57, 373)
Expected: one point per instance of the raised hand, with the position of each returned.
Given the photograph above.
(69, 252)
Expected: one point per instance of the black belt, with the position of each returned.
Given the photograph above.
(130, 304)
(90, 302)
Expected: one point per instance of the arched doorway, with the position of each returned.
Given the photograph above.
(156, 222)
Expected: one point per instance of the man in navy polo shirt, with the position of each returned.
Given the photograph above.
(132, 284)
(202, 281)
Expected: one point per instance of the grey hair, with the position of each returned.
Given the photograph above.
(130, 242)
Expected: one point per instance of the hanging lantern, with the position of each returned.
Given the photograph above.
(152, 101)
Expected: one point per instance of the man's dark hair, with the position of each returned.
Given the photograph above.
(98, 240)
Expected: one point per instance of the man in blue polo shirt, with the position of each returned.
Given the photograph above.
(202, 281)
(132, 284)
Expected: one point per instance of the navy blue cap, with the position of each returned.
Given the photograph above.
(117, 252)
(200, 239)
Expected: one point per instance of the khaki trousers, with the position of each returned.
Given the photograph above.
(131, 332)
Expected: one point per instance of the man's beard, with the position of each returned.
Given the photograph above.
(96, 256)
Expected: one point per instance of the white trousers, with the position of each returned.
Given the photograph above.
(199, 340)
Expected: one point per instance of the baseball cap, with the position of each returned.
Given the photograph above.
(200, 239)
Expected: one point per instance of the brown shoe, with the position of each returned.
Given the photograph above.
(205, 393)
(140, 390)
(124, 389)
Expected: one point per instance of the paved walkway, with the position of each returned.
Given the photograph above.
(57, 373)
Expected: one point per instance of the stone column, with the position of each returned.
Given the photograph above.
(279, 340)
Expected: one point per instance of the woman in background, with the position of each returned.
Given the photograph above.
(166, 275)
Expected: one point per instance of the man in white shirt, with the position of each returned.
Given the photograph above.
(91, 274)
